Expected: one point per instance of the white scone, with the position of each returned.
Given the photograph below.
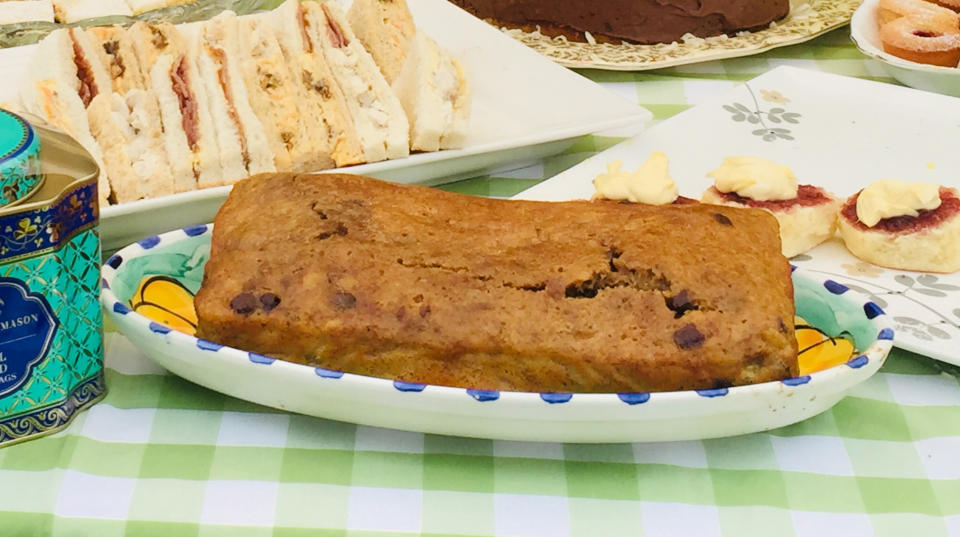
(802, 225)
(15, 11)
(928, 243)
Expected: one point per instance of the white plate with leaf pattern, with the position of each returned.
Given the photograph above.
(838, 132)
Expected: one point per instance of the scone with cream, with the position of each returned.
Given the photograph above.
(806, 213)
(651, 184)
(901, 225)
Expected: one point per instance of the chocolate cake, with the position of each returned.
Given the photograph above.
(637, 21)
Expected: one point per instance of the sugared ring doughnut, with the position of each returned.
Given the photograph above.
(909, 39)
(928, 15)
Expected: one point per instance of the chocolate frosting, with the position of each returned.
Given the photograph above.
(639, 21)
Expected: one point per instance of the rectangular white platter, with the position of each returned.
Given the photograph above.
(837, 132)
(525, 108)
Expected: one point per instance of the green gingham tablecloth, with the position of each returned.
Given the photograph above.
(163, 457)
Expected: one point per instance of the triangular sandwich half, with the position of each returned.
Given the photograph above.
(378, 117)
(385, 29)
(325, 121)
(435, 95)
(244, 150)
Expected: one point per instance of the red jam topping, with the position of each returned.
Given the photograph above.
(807, 196)
(949, 208)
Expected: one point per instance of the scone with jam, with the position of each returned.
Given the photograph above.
(806, 213)
(901, 225)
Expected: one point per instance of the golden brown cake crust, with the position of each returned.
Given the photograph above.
(421, 285)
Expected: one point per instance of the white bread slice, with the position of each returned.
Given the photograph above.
(133, 149)
(435, 95)
(68, 55)
(56, 102)
(325, 123)
(385, 29)
(193, 159)
(67, 11)
(272, 93)
(244, 150)
(12, 12)
(377, 115)
(115, 52)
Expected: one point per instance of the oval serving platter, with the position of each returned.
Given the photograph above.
(178, 258)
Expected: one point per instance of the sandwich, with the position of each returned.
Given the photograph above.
(378, 117)
(12, 12)
(127, 122)
(68, 11)
(435, 95)
(57, 102)
(241, 139)
(385, 29)
(150, 41)
(325, 121)
(273, 97)
(115, 52)
(128, 130)
(61, 83)
(188, 131)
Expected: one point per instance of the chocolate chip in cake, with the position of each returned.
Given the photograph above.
(269, 301)
(244, 304)
(315, 208)
(681, 303)
(783, 327)
(688, 337)
(424, 310)
(400, 313)
(344, 301)
(722, 219)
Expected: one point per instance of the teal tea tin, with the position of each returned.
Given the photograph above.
(51, 335)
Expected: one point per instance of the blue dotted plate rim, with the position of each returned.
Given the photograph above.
(874, 355)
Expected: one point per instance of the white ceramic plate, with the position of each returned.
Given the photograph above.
(866, 34)
(807, 20)
(524, 108)
(553, 417)
(839, 132)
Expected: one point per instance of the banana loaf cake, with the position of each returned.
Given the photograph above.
(420, 285)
